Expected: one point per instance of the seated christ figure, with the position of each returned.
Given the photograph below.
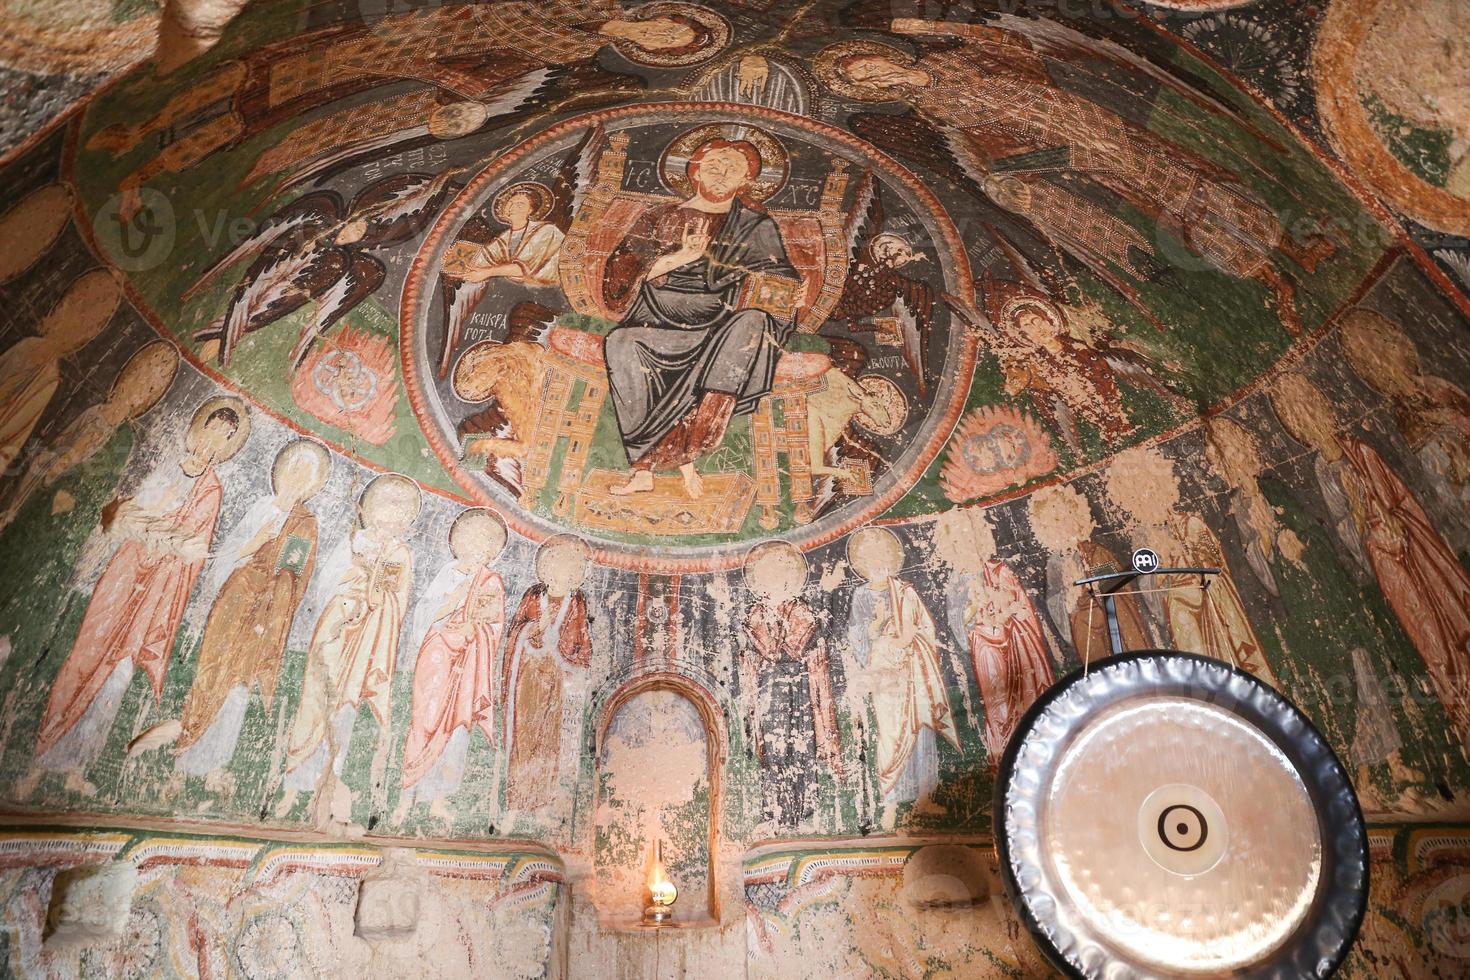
(692, 349)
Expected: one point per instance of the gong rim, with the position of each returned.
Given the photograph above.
(1318, 945)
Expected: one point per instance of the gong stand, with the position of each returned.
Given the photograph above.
(1103, 840)
(1105, 588)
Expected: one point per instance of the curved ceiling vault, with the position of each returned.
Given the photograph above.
(393, 391)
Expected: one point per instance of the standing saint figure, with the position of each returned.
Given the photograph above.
(1427, 588)
(354, 649)
(893, 638)
(1061, 519)
(1235, 456)
(1432, 413)
(1213, 621)
(57, 502)
(458, 627)
(261, 572)
(786, 681)
(547, 655)
(163, 535)
(29, 369)
(1296, 556)
(991, 612)
(140, 384)
(693, 350)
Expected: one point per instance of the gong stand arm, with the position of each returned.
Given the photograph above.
(1107, 586)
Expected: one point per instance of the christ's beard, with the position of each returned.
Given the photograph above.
(716, 197)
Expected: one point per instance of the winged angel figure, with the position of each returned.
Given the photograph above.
(988, 113)
(1069, 372)
(518, 242)
(317, 249)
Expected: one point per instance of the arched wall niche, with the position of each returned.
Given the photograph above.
(651, 727)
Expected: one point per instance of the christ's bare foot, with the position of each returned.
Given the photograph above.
(209, 350)
(693, 485)
(889, 818)
(927, 805)
(641, 482)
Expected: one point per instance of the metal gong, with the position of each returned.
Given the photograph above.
(1167, 815)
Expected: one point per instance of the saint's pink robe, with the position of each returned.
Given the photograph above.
(1428, 589)
(454, 676)
(1011, 663)
(135, 611)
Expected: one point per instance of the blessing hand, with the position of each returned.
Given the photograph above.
(753, 72)
(696, 240)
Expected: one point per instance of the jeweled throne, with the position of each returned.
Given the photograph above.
(817, 245)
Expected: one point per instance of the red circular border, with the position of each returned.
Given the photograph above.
(421, 276)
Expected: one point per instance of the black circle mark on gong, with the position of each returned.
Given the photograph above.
(1204, 828)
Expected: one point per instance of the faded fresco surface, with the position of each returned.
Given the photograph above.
(226, 906)
(52, 54)
(575, 424)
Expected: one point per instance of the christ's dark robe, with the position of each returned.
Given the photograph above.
(683, 336)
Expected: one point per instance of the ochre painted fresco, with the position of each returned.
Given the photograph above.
(556, 427)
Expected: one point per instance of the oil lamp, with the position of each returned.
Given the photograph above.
(661, 889)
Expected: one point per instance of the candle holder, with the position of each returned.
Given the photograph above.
(661, 890)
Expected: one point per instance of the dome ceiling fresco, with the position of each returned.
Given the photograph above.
(1147, 238)
(414, 420)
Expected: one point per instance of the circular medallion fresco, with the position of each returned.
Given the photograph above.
(569, 373)
(677, 328)
(1397, 109)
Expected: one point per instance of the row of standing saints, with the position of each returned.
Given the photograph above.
(524, 682)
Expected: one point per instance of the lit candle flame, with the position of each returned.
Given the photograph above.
(660, 887)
